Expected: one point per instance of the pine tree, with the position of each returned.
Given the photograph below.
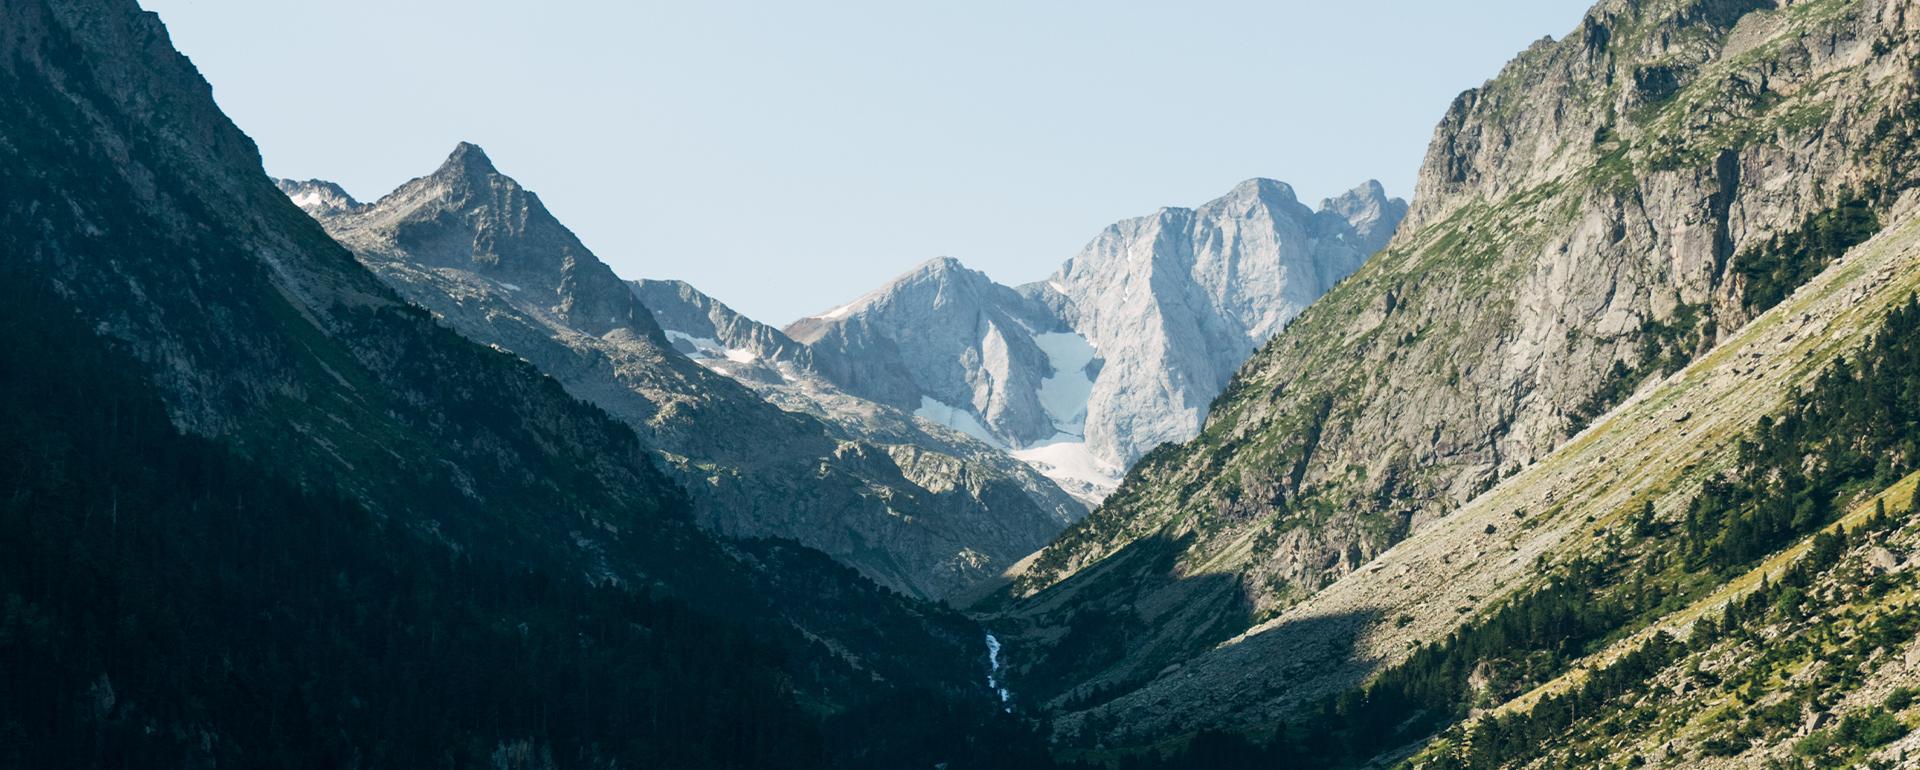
(1643, 522)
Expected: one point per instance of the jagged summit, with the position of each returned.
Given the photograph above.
(318, 196)
(941, 265)
(1121, 349)
(468, 159)
(1373, 215)
(687, 373)
(467, 215)
(1262, 189)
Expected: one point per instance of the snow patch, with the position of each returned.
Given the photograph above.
(1064, 395)
(934, 410)
(709, 348)
(838, 312)
(1066, 460)
(704, 345)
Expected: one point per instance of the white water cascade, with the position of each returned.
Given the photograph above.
(993, 672)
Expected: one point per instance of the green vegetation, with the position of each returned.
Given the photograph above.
(1856, 429)
(1786, 261)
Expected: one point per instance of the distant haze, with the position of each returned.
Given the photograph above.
(787, 157)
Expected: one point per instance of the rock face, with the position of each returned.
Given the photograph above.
(1586, 222)
(707, 331)
(780, 370)
(926, 515)
(1177, 301)
(1120, 350)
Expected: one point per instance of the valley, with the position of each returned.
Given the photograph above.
(1603, 451)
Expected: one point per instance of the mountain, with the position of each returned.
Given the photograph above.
(782, 371)
(1612, 207)
(261, 510)
(1120, 350)
(928, 516)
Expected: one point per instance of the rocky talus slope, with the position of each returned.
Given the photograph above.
(929, 518)
(1120, 350)
(1611, 206)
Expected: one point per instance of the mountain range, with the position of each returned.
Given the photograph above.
(1122, 349)
(919, 513)
(1604, 452)
(821, 445)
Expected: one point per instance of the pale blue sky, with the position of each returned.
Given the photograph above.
(786, 157)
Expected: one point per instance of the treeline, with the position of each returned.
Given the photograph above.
(1505, 740)
(1528, 639)
(1858, 427)
(1773, 270)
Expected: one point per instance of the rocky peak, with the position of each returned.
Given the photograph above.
(469, 216)
(1122, 348)
(713, 334)
(1259, 190)
(948, 278)
(1177, 301)
(318, 196)
(469, 161)
(1367, 209)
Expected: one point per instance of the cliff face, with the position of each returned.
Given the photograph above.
(1176, 301)
(1610, 206)
(1122, 348)
(928, 516)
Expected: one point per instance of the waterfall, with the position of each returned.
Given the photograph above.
(993, 672)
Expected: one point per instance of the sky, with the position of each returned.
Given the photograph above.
(786, 157)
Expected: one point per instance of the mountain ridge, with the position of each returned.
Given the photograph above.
(921, 515)
(1048, 371)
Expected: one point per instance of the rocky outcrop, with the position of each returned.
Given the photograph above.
(942, 337)
(1176, 302)
(318, 196)
(706, 330)
(929, 516)
(1119, 351)
(1586, 222)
